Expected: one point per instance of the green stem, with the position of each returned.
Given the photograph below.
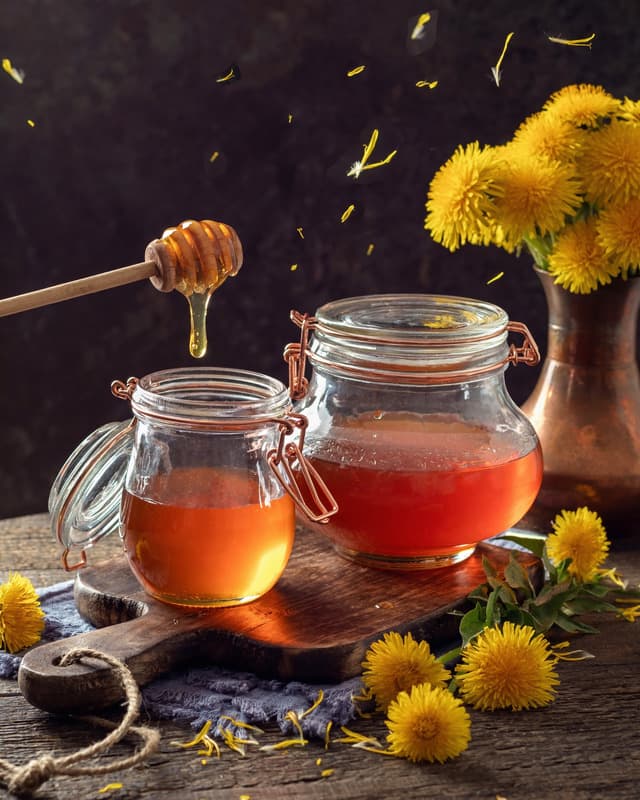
(539, 250)
(450, 655)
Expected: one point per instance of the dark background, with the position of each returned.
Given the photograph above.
(128, 113)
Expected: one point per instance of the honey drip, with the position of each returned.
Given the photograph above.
(198, 304)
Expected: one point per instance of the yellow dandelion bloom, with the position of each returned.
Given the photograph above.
(578, 262)
(580, 536)
(427, 724)
(546, 135)
(508, 667)
(610, 163)
(629, 110)
(538, 195)
(21, 618)
(582, 104)
(460, 201)
(619, 234)
(394, 663)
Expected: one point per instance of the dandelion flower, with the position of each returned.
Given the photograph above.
(610, 163)
(508, 667)
(427, 724)
(460, 198)
(619, 234)
(393, 664)
(580, 536)
(582, 104)
(545, 135)
(578, 262)
(21, 618)
(629, 110)
(538, 195)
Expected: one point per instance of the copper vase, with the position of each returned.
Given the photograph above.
(585, 406)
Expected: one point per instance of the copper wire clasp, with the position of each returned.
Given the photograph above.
(528, 353)
(122, 390)
(307, 489)
(295, 354)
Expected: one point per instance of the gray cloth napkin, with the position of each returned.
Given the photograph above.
(196, 695)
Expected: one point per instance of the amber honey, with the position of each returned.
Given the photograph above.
(210, 541)
(410, 489)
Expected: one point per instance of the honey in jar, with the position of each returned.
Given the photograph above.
(411, 425)
(209, 535)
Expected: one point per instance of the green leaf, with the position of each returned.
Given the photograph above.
(489, 569)
(585, 605)
(472, 623)
(596, 589)
(490, 612)
(495, 583)
(479, 593)
(573, 626)
(507, 595)
(519, 616)
(516, 576)
(534, 542)
(566, 589)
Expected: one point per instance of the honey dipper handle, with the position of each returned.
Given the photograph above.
(77, 288)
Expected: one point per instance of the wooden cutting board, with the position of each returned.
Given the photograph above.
(314, 625)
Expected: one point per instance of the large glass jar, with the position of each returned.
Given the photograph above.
(200, 484)
(412, 427)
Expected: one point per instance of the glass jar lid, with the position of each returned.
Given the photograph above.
(410, 338)
(84, 501)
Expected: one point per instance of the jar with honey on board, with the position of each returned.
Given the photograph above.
(200, 483)
(412, 426)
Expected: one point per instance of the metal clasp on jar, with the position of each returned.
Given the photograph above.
(528, 353)
(295, 354)
(304, 485)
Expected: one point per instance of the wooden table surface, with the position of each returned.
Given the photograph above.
(584, 745)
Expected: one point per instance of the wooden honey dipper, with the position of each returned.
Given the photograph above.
(194, 258)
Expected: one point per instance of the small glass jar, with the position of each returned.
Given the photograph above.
(411, 425)
(202, 484)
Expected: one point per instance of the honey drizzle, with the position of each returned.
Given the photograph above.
(198, 304)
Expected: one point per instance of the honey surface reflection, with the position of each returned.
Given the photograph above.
(209, 542)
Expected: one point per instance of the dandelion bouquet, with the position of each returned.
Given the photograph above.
(566, 188)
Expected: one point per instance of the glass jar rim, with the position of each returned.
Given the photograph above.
(209, 397)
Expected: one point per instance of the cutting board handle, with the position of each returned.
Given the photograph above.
(146, 648)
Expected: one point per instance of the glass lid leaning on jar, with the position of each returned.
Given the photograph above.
(202, 483)
(411, 425)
